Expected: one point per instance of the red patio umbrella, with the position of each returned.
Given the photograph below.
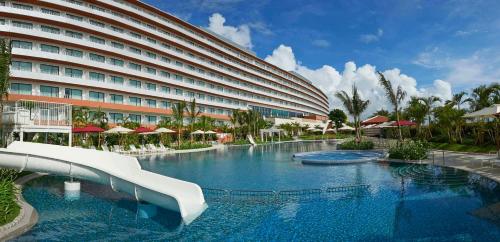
(143, 130)
(87, 129)
(404, 123)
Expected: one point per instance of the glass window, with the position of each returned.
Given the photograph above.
(49, 91)
(49, 48)
(74, 53)
(135, 35)
(22, 24)
(177, 63)
(165, 89)
(21, 66)
(117, 99)
(178, 92)
(96, 23)
(134, 83)
(151, 55)
(2, 21)
(151, 86)
(20, 88)
(71, 72)
(49, 29)
(97, 8)
(151, 119)
(152, 41)
(151, 70)
(97, 40)
(135, 118)
(95, 76)
(119, 30)
(22, 6)
(165, 59)
(135, 101)
(21, 44)
(50, 11)
(74, 34)
(116, 62)
(135, 50)
(117, 45)
(190, 81)
(116, 117)
(96, 57)
(96, 96)
(165, 104)
(151, 103)
(134, 66)
(178, 77)
(72, 93)
(49, 69)
(117, 80)
(74, 17)
(165, 74)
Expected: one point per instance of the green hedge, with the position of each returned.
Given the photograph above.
(409, 150)
(8, 205)
(353, 145)
(188, 146)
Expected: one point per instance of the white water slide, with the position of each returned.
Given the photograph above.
(123, 173)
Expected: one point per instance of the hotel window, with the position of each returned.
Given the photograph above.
(96, 96)
(74, 17)
(135, 118)
(71, 72)
(134, 83)
(135, 101)
(22, 24)
(152, 41)
(116, 117)
(151, 55)
(116, 62)
(21, 66)
(191, 68)
(49, 69)
(73, 93)
(177, 63)
(200, 83)
(151, 103)
(21, 44)
(96, 57)
(2, 21)
(165, 89)
(190, 94)
(74, 53)
(116, 29)
(151, 86)
(165, 59)
(134, 50)
(151, 70)
(117, 80)
(164, 74)
(22, 6)
(116, 99)
(20, 88)
(178, 77)
(97, 40)
(117, 45)
(178, 92)
(96, 23)
(49, 91)
(49, 29)
(165, 104)
(165, 46)
(98, 8)
(135, 35)
(73, 34)
(49, 48)
(134, 66)
(95, 76)
(50, 11)
(201, 96)
(190, 81)
(151, 119)
(75, 2)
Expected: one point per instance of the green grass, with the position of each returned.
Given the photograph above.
(10, 214)
(464, 148)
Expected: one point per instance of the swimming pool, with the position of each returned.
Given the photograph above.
(336, 157)
(402, 202)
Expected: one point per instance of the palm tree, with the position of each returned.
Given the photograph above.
(234, 118)
(355, 106)
(417, 112)
(205, 123)
(395, 97)
(5, 61)
(81, 116)
(100, 118)
(483, 96)
(193, 113)
(178, 113)
(429, 103)
(458, 99)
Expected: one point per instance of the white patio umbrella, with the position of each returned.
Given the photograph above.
(164, 130)
(346, 127)
(198, 132)
(489, 112)
(311, 128)
(118, 130)
(210, 132)
(330, 130)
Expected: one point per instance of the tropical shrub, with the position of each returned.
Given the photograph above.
(353, 145)
(409, 150)
(8, 205)
(188, 146)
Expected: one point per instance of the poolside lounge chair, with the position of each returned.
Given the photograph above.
(134, 150)
(143, 149)
(152, 148)
(92, 147)
(163, 148)
(105, 148)
(119, 149)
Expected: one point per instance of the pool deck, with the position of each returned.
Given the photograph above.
(482, 164)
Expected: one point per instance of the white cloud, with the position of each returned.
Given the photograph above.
(239, 35)
(368, 38)
(322, 43)
(329, 80)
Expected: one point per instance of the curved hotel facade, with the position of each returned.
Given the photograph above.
(131, 59)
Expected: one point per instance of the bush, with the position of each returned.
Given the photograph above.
(8, 205)
(409, 150)
(188, 146)
(353, 145)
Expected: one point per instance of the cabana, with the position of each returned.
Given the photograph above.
(270, 132)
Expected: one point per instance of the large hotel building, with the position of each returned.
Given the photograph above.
(132, 59)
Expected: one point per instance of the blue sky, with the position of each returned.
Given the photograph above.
(455, 42)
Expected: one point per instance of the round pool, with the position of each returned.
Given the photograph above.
(336, 157)
(245, 190)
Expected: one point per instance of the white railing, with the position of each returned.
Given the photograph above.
(37, 113)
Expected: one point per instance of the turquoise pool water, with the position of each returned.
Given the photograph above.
(402, 202)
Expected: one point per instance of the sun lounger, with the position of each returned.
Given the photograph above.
(134, 150)
(105, 148)
(152, 148)
(143, 149)
(92, 147)
(162, 147)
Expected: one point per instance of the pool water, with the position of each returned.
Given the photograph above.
(402, 203)
(336, 157)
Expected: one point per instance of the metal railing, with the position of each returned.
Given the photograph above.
(29, 112)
